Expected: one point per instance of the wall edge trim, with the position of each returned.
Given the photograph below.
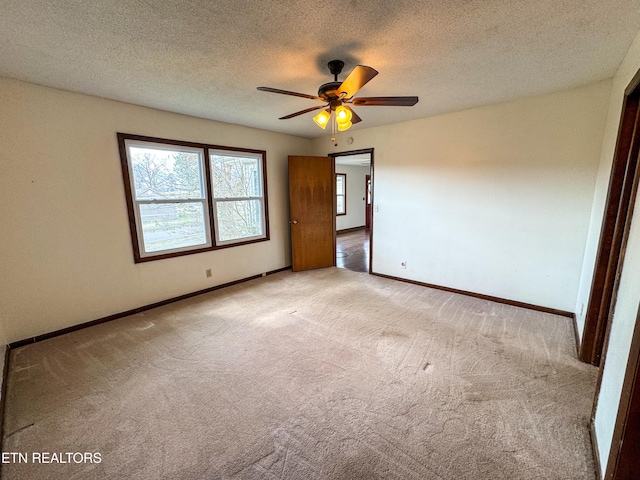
(513, 303)
(352, 229)
(576, 333)
(3, 390)
(594, 447)
(133, 311)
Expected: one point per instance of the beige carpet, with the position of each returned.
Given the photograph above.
(328, 374)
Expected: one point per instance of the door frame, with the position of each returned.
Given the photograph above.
(371, 173)
(616, 225)
(623, 462)
(368, 202)
(614, 231)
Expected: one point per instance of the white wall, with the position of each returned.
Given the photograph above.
(628, 299)
(355, 216)
(67, 255)
(494, 200)
(627, 69)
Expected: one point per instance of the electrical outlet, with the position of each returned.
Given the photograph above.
(208, 272)
(581, 309)
(377, 209)
(403, 264)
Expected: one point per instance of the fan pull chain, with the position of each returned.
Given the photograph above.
(334, 125)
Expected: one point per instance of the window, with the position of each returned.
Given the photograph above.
(238, 202)
(341, 193)
(186, 198)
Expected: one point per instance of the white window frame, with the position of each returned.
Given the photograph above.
(261, 198)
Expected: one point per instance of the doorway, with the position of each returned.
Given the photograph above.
(623, 462)
(354, 200)
(615, 229)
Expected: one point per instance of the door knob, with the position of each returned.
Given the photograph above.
(294, 221)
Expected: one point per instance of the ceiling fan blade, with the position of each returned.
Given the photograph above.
(302, 112)
(286, 92)
(354, 116)
(385, 101)
(357, 79)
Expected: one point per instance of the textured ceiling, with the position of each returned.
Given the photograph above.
(206, 58)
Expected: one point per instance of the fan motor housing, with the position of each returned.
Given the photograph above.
(328, 91)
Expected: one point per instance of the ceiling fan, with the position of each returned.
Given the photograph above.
(336, 95)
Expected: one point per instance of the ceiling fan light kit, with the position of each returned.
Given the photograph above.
(336, 94)
(322, 118)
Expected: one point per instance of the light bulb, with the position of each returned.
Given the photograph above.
(322, 118)
(343, 115)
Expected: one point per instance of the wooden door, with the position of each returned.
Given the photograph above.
(312, 212)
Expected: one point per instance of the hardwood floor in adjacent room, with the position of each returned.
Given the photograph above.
(352, 250)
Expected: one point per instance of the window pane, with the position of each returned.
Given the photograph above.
(172, 225)
(235, 177)
(340, 204)
(171, 200)
(165, 174)
(239, 219)
(340, 185)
